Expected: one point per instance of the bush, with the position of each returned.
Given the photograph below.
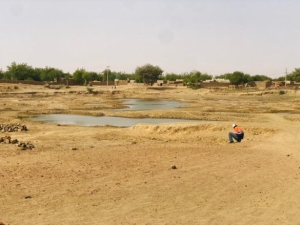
(194, 86)
(90, 90)
(281, 92)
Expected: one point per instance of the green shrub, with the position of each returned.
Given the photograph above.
(281, 92)
(194, 86)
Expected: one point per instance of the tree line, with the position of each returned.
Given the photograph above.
(143, 74)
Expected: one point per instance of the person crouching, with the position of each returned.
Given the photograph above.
(238, 134)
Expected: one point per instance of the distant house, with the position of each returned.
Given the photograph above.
(263, 84)
(219, 80)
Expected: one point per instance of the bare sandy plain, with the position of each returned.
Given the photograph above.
(124, 175)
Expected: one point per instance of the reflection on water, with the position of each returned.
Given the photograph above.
(132, 104)
(150, 104)
(100, 121)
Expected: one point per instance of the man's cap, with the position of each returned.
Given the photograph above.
(234, 125)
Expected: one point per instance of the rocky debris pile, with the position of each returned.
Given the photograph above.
(22, 145)
(13, 127)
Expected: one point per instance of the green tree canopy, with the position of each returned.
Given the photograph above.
(90, 76)
(107, 75)
(22, 72)
(259, 78)
(173, 76)
(1, 74)
(236, 77)
(125, 76)
(148, 73)
(78, 75)
(195, 77)
(294, 76)
(50, 74)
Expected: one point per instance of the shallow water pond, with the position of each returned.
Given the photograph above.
(100, 121)
(150, 104)
(143, 104)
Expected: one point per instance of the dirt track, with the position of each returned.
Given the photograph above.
(125, 176)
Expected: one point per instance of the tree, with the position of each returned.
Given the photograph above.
(195, 77)
(67, 76)
(236, 77)
(1, 74)
(22, 72)
(89, 76)
(39, 73)
(106, 75)
(172, 76)
(295, 75)
(148, 73)
(205, 76)
(78, 75)
(125, 76)
(259, 78)
(50, 74)
(55, 74)
(282, 78)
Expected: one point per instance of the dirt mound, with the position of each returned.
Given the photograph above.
(177, 128)
(204, 132)
(192, 128)
(261, 131)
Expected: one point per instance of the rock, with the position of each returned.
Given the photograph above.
(174, 167)
(5, 140)
(27, 197)
(15, 141)
(74, 149)
(13, 127)
(25, 146)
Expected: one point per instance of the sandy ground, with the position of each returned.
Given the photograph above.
(124, 175)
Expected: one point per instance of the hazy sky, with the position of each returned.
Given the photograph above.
(212, 36)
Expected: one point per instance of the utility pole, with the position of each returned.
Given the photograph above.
(107, 75)
(285, 76)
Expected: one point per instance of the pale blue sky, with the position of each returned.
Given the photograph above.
(213, 36)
